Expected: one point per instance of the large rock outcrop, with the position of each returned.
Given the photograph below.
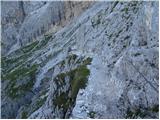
(24, 21)
(104, 64)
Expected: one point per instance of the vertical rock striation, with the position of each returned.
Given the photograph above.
(29, 20)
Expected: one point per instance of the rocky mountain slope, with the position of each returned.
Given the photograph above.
(104, 64)
(25, 21)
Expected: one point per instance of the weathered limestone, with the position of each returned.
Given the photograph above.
(121, 38)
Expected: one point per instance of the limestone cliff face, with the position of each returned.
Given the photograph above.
(103, 64)
(23, 22)
(12, 18)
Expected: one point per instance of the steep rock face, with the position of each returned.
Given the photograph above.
(29, 20)
(12, 17)
(123, 82)
(102, 65)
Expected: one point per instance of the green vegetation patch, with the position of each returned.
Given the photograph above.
(39, 103)
(44, 42)
(135, 114)
(132, 114)
(155, 108)
(20, 74)
(92, 114)
(63, 101)
(20, 56)
(24, 115)
(9, 64)
(78, 79)
(125, 10)
(29, 47)
(114, 5)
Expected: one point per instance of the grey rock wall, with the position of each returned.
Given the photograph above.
(29, 20)
(12, 18)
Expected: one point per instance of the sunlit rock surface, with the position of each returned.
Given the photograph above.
(103, 64)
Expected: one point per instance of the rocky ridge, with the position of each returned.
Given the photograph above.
(104, 64)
